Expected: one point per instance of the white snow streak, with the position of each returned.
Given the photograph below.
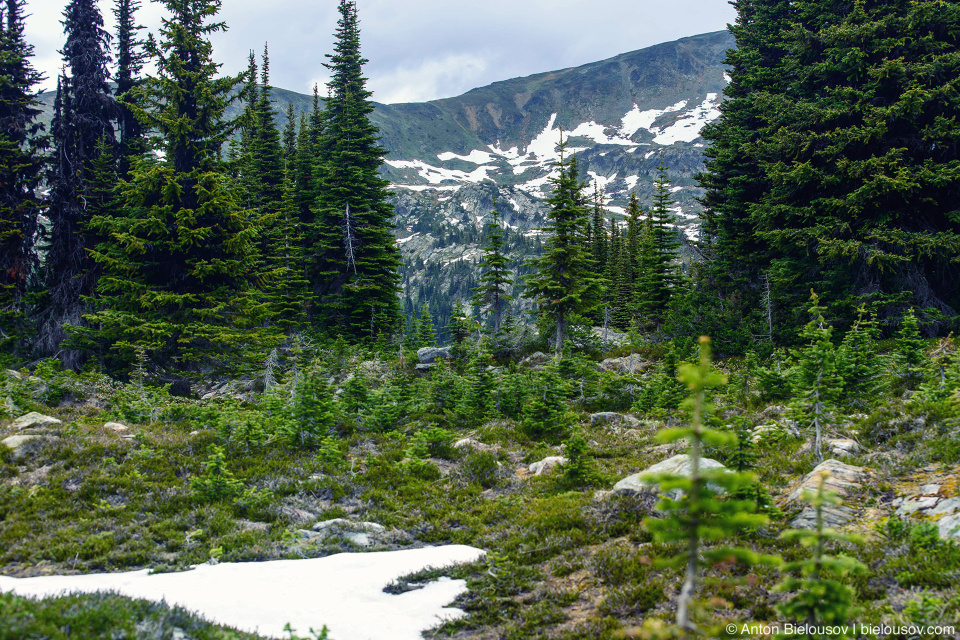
(687, 127)
(476, 157)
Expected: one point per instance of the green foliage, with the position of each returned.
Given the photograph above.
(698, 516)
(816, 176)
(424, 332)
(103, 615)
(312, 411)
(565, 282)
(544, 414)
(579, 470)
(493, 294)
(910, 356)
(858, 360)
(217, 482)
(354, 258)
(817, 595)
(178, 261)
(817, 385)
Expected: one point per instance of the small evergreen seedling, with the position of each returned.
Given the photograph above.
(698, 516)
(858, 361)
(817, 385)
(817, 596)
(217, 482)
(909, 351)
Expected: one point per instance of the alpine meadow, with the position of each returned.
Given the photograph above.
(659, 346)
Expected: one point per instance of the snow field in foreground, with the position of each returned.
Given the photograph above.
(343, 591)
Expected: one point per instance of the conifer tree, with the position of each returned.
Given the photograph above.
(824, 178)
(130, 58)
(178, 264)
(458, 329)
(910, 355)
(817, 385)
(696, 517)
(354, 268)
(303, 172)
(85, 116)
(817, 596)
(565, 283)
(599, 241)
(657, 278)
(21, 167)
(497, 279)
(265, 147)
(858, 361)
(426, 335)
(290, 141)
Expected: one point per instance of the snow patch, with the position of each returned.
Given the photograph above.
(601, 181)
(631, 182)
(635, 119)
(476, 157)
(687, 127)
(436, 175)
(343, 591)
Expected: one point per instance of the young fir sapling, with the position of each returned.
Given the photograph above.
(698, 516)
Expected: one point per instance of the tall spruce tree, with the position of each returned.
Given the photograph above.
(733, 179)
(848, 172)
(178, 263)
(493, 294)
(657, 278)
(354, 259)
(85, 117)
(130, 59)
(565, 283)
(21, 167)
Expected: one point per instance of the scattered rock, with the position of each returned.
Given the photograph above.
(949, 526)
(546, 465)
(297, 516)
(609, 417)
(627, 364)
(773, 411)
(423, 369)
(470, 443)
(17, 444)
(677, 465)
(33, 420)
(773, 430)
(429, 355)
(116, 426)
(537, 358)
(936, 501)
(14, 374)
(609, 337)
(833, 517)
(836, 446)
(843, 479)
(362, 534)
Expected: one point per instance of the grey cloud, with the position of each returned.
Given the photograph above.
(424, 49)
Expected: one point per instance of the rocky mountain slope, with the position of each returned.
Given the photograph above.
(451, 159)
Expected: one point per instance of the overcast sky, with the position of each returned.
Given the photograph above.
(421, 49)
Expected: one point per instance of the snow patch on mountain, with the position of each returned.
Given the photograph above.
(635, 119)
(687, 127)
(476, 157)
(437, 175)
